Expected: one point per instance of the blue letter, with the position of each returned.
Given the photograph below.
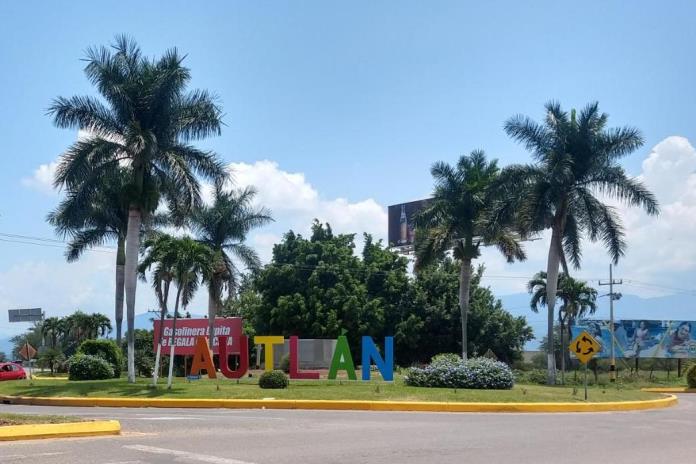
(370, 353)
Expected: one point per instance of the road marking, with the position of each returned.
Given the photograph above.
(186, 455)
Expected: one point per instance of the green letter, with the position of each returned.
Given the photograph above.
(342, 360)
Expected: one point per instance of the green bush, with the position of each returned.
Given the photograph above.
(445, 359)
(691, 376)
(105, 349)
(285, 364)
(274, 379)
(475, 373)
(88, 367)
(533, 376)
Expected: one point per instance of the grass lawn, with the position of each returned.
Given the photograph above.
(317, 390)
(23, 419)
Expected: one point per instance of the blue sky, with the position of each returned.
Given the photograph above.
(349, 104)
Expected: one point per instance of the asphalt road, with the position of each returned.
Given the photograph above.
(279, 437)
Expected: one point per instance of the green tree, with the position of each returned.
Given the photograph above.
(92, 217)
(577, 300)
(459, 218)
(145, 123)
(160, 256)
(193, 260)
(575, 158)
(223, 227)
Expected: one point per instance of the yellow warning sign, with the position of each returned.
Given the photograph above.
(584, 347)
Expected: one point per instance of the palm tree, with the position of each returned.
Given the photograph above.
(143, 125)
(51, 326)
(91, 220)
(458, 218)
(99, 325)
(160, 254)
(223, 227)
(193, 259)
(575, 158)
(577, 300)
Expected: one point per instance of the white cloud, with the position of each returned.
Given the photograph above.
(42, 178)
(295, 203)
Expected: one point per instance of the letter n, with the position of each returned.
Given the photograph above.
(371, 353)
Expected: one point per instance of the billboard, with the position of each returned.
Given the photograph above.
(401, 222)
(25, 315)
(188, 329)
(642, 338)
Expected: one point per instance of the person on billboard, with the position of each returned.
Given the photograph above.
(641, 338)
(680, 343)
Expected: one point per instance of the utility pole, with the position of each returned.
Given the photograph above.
(612, 296)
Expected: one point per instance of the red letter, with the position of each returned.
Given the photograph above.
(295, 363)
(203, 358)
(243, 357)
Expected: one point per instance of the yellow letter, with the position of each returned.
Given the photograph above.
(268, 341)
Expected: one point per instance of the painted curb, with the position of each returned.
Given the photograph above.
(68, 429)
(411, 406)
(669, 390)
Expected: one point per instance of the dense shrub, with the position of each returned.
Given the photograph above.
(88, 367)
(533, 376)
(445, 359)
(285, 364)
(447, 372)
(691, 376)
(105, 349)
(274, 379)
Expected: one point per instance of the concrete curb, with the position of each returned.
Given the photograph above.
(669, 390)
(412, 406)
(68, 429)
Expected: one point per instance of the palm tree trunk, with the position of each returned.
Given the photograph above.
(131, 279)
(551, 289)
(120, 275)
(172, 338)
(464, 289)
(213, 296)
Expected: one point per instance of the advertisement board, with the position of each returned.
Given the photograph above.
(188, 329)
(642, 338)
(402, 231)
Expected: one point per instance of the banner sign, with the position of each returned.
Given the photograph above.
(187, 330)
(642, 338)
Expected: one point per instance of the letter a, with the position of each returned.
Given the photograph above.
(342, 359)
(203, 358)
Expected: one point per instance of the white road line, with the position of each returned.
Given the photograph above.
(185, 455)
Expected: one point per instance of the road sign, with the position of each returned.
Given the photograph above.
(25, 315)
(584, 347)
(27, 351)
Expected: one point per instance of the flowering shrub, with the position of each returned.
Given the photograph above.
(448, 372)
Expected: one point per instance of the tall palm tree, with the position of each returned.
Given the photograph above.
(160, 256)
(575, 159)
(51, 327)
(193, 261)
(92, 220)
(144, 125)
(577, 300)
(99, 325)
(223, 226)
(459, 218)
